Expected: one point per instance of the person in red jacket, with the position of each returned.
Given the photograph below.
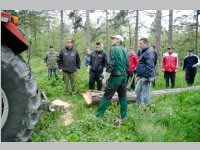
(170, 66)
(133, 60)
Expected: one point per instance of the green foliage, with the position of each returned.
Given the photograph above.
(168, 118)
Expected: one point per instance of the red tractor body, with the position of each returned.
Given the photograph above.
(14, 38)
(20, 95)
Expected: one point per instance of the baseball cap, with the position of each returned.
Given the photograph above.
(118, 37)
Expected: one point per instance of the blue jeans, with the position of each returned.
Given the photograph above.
(55, 73)
(143, 91)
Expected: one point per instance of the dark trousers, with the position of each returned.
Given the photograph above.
(55, 73)
(171, 76)
(129, 76)
(95, 77)
(190, 76)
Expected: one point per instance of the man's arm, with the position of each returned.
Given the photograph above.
(45, 58)
(163, 63)
(111, 61)
(198, 62)
(105, 60)
(78, 60)
(156, 57)
(184, 63)
(60, 60)
(177, 62)
(150, 60)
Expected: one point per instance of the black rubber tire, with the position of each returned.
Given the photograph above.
(23, 97)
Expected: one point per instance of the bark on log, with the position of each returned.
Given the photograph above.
(94, 97)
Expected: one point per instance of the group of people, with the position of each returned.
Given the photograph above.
(117, 67)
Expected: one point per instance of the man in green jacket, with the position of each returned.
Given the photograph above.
(117, 67)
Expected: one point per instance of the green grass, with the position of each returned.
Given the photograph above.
(169, 118)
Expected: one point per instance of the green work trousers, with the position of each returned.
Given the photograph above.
(115, 84)
(69, 78)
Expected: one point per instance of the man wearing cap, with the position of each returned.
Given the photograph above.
(145, 72)
(117, 67)
(170, 66)
(191, 61)
(50, 60)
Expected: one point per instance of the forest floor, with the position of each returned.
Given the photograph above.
(169, 117)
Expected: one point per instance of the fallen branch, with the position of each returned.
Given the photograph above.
(94, 97)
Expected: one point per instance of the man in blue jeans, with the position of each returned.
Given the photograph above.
(50, 60)
(145, 72)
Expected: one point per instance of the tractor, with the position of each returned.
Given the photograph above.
(20, 95)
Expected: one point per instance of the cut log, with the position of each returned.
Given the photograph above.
(94, 97)
(60, 105)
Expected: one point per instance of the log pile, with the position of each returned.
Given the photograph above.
(94, 97)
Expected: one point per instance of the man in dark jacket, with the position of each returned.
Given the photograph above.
(98, 61)
(145, 72)
(117, 67)
(190, 67)
(69, 64)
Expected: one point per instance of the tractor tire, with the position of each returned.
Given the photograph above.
(22, 95)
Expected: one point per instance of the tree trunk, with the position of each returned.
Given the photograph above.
(157, 36)
(170, 32)
(107, 33)
(49, 33)
(197, 26)
(130, 34)
(61, 29)
(94, 97)
(87, 28)
(136, 30)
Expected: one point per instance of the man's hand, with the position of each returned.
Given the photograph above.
(46, 64)
(88, 68)
(176, 70)
(77, 71)
(194, 66)
(61, 71)
(163, 70)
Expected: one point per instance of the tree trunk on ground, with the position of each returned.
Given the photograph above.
(94, 97)
(87, 28)
(61, 29)
(136, 30)
(170, 32)
(157, 36)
